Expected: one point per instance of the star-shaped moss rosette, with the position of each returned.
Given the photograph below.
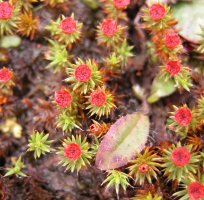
(100, 102)
(118, 59)
(66, 100)
(65, 30)
(181, 120)
(200, 108)
(202, 158)
(116, 179)
(115, 8)
(196, 141)
(6, 81)
(84, 75)
(200, 48)
(67, 121)
(54, 3)
(98, 129)
(157, 17)
(9, 16)
(167, 44)
(25, 5)
(16, 169)
(27, 25)
(180, 162)
(145, 166)
(180, 75)
(39, 144)
(148, 196)
(58, 56)
(191, 189)
(124, 50)
(75, 153)
(110, 33)
(113, 62)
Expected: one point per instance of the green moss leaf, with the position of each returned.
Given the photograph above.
(126, 136)
(11, 41)
(161, 88)
(190, 19)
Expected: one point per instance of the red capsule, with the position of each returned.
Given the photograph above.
(82, 73)
(157, 12)
(72, 151)
(109, 27)
(68, 25)
(98, 98)
(180, 156)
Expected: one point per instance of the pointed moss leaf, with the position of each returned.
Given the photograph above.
(126, 136)
(161, 88)
(190, 19)
(93, 4)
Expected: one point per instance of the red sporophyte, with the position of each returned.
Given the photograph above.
(109, 27)
(172, 39)
(98, 98)
(180, 156)
(196, 191)
(183, 116)
(82, 73)
(63, 98)
(121, 4)
(6, 10)
(5, 75)
(173, 67)
(68, 25)
(72, 151)
(144, 168)
(157, 12)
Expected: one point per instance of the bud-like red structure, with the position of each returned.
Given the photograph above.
(68, 25)
(183, 116)
(173, 67)
(98, 98)
(157, 12)
(72, 151)
(109, 27)
(144, 168)
(196, 191)
(172, 39)
(95, 128)
(180, 156)
(5, 75)
(121, 4)
(63, 98)
(6, 10)
(82, 73)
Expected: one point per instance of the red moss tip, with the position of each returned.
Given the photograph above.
(82, 73)
(68, 25)
(172, 39)
(98, 98)
(94, 128)
(183, 116)
(63, 98)
(180, 156)
(72, 151)
(121, 4)
(6, 10)
(144, 168)
(173, 67)
(196, 191)
(109, 27)
(5, 75)
(157, 12)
